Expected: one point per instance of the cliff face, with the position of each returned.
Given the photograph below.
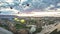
(4, 31)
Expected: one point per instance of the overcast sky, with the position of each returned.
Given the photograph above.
(21, 5)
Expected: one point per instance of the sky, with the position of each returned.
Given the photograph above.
(21, 5)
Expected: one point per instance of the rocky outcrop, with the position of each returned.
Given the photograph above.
(4, 31)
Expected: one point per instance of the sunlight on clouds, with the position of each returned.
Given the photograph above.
(23, 1)
(9, 1)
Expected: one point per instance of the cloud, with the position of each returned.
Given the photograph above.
(21, 5)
